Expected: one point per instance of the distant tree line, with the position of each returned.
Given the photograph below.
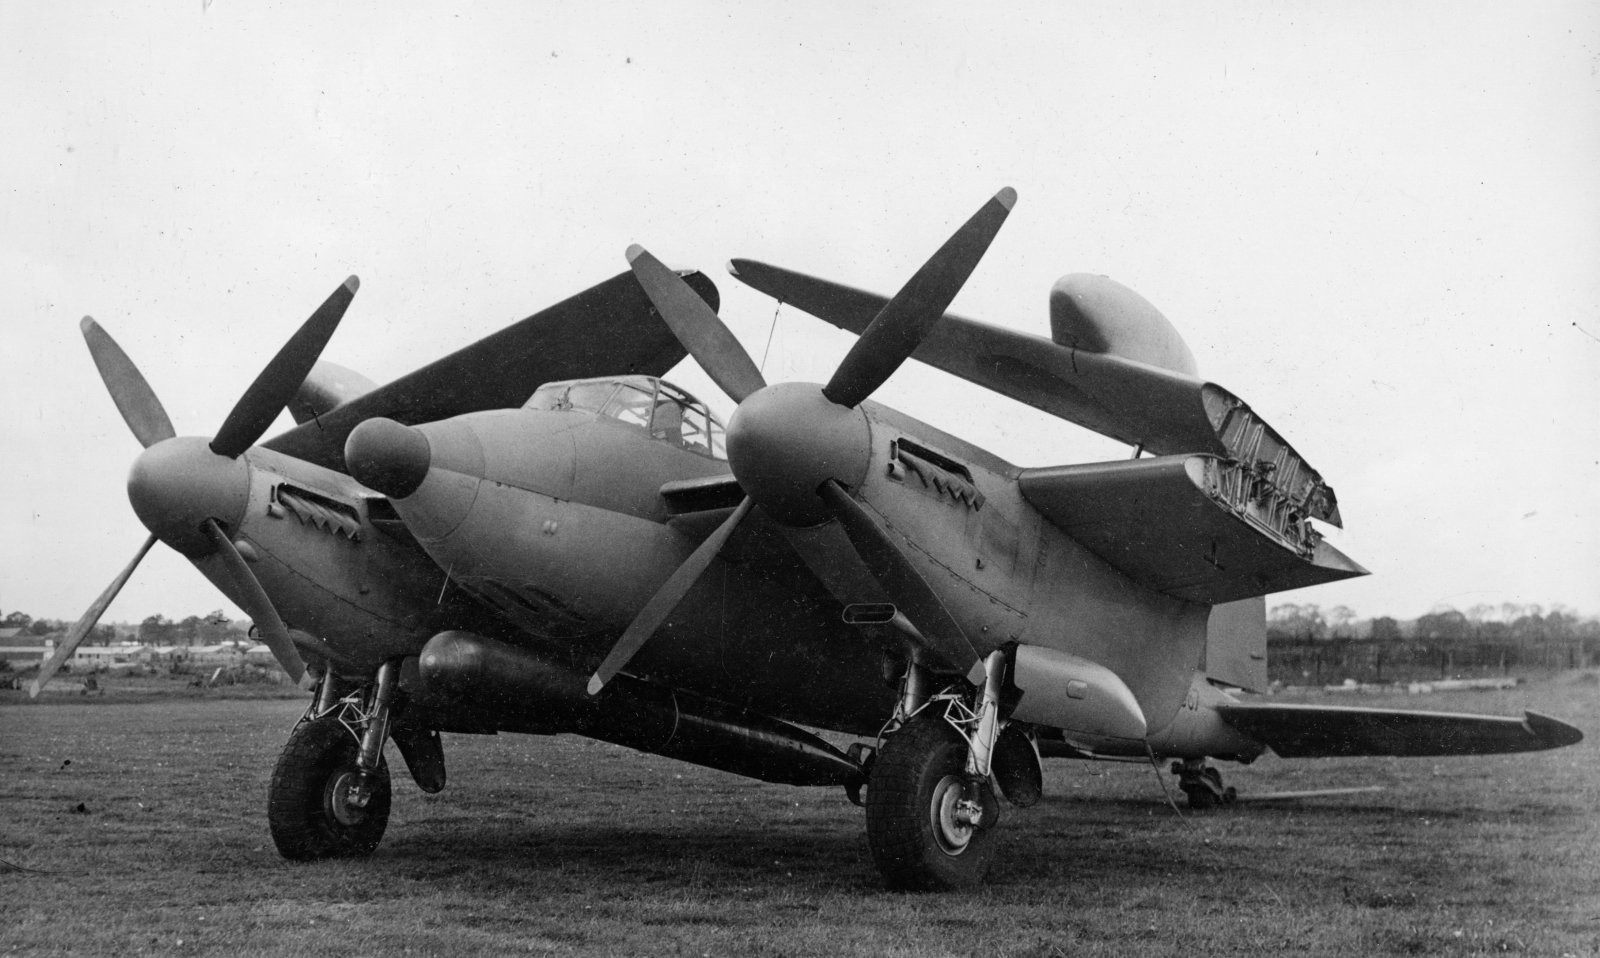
(212, 628)
(1306, 645)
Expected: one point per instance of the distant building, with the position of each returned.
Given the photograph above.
(123, 655)
(228, 654)
(22, 650)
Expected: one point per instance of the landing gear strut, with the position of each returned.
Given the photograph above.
(1202, 784)
(330, 793)
(931, 810)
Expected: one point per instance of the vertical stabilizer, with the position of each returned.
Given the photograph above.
(1236, 644)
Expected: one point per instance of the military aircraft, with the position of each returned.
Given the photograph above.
(538, 534)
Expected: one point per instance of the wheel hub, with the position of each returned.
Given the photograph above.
(346, 798)
(953, 818)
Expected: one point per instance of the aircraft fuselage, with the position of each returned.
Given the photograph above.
(555, 518)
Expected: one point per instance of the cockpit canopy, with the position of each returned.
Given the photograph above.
(665, 411)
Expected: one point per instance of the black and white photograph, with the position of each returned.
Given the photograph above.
(882, 479)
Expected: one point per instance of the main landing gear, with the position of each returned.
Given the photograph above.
(931, 808)
(330, 793)
(930, 826)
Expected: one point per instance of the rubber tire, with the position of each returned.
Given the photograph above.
(900, 800)
(298, 800)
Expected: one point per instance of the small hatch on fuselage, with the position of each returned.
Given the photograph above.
(644, 402)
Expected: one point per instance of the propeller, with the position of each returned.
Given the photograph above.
(251, 416)
(900, 326)
(276, 384)
(697, 327)
(655, 612)
(911, 593)
(257, 604)
(137, 402)
(91, 616)
(887, 342)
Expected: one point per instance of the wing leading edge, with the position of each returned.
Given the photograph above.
(1326, 731)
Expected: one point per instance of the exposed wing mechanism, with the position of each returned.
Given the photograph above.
(1196, 527)
(1325, 731)
(609, 328)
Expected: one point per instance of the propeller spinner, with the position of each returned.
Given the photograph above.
(188, 491)
(797, 448)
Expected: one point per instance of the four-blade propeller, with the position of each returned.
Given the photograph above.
(250, 418)
(890, 339)
(887, 343)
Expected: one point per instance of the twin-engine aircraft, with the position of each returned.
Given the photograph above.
(537, 534)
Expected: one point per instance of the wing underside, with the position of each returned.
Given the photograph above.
(1318, 731)
(1198, 528)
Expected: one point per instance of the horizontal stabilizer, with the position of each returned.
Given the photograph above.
(607, 329)
(1198, 528)
(1324, 731)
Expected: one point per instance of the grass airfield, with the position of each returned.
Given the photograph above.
(133, 822)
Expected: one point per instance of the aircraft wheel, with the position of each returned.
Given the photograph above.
(1200, 798)
(308, 810)
(920, 839)
(1206, 790)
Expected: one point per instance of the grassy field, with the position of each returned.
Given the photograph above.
(134, 823)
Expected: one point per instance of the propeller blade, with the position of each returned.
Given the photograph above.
(655, 612)
(903, 322)
(137, 402)
(277, 383)
(257, 604)
(75, 635)
(905, 586)
(697, 327)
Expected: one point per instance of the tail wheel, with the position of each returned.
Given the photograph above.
(309, 808)
(1206, 790)
(919, 823)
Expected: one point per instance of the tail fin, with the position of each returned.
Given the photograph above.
(1236, 644)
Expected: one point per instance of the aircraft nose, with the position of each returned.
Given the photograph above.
(786, 440)
(177, 484)
(388, 456)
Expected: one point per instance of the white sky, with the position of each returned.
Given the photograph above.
(1379, 224)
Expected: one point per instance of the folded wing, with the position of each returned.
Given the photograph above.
(606, 329)
(1115, 366)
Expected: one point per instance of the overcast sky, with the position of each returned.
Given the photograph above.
(1378, 224)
